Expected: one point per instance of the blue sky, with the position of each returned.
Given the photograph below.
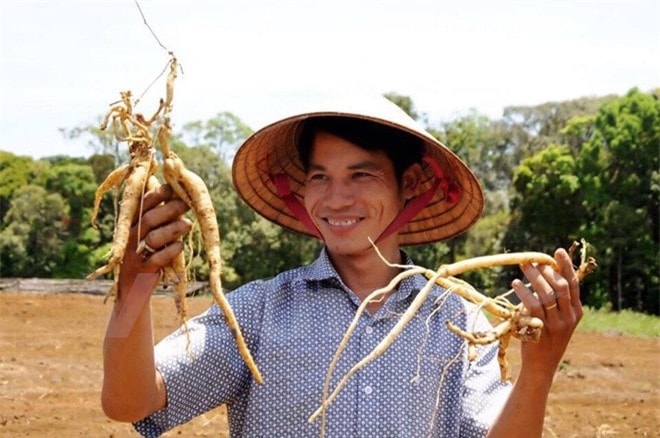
(63, 62)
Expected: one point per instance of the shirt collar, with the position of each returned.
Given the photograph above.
(322, 269)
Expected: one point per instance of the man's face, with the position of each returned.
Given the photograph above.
(350, 194)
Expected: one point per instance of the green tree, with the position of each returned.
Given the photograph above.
(619, 165)
(263, 241)
(76, 183)
(33, 233)
(102, 165)
(547, 201)
(532, 128)
(102, 142)
(15, 172)
(222, 133)
(600, 185)
(484, 145)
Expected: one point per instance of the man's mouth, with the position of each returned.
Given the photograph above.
(342, 222)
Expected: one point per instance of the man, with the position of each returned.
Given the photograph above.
(343, 175)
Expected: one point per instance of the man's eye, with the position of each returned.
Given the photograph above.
(315, 177)
(359, 175)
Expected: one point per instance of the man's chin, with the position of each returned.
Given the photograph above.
(349, 247)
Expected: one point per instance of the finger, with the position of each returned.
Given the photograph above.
(568, 272)
(152, 198)
(559, 286)
(163, 236)
(162, 214)
(544, 291)
(163, 257)
(144, 247)
(531, 302)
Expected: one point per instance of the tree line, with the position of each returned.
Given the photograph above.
(552, 173)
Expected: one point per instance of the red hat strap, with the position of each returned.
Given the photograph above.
(452, 193)
(281, 181)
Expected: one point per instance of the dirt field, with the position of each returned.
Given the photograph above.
(50, 375)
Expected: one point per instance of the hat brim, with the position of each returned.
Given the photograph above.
(272, 150)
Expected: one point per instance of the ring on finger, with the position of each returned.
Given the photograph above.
(145, 248)
(552, 306)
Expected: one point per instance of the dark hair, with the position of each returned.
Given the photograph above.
(401, 147)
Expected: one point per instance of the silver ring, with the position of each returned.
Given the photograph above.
(145, 249)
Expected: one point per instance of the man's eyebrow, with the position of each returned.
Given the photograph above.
(366, 165)
(313, 166)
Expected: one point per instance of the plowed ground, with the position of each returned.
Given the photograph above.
(51, 372)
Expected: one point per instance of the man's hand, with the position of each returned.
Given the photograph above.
(160, 227)
(557, 304)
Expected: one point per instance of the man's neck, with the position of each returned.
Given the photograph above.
(365, 272)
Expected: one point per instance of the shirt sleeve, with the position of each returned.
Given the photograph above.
(484, 392)
(202, 368)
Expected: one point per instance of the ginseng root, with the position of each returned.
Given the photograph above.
(142, 166)
(515, 321)
(176, 273)
(136, 177)
(193, 191)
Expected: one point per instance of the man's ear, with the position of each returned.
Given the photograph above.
(410, 179)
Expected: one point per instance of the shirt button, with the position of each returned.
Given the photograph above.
(369, 330)
(368, 390)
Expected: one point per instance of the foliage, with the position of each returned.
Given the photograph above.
(15, 172)
(34, 229)
(76, 183)
(223, 133)
(102, 142)
(265, 241)
(482, 144)
(598, 186)
(619, 166)
(532, 128)
(546, 185)
(584, 168)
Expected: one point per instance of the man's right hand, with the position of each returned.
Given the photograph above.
(160, 228)
(132, 387)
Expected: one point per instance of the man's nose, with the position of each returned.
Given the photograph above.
(340, 194)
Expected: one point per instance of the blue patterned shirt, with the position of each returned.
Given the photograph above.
(293, 323)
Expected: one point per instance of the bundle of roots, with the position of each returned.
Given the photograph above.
(510, 319)
(137, 177)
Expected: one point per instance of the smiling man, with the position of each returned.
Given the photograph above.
(344, 175)
(352, 193)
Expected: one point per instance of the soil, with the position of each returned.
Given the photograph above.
(51, 371)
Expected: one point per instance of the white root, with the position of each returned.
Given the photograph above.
(189, 187)
(514, 318)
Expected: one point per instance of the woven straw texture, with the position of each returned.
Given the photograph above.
(272, 150)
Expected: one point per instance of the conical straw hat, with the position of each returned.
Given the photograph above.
(271, 150)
